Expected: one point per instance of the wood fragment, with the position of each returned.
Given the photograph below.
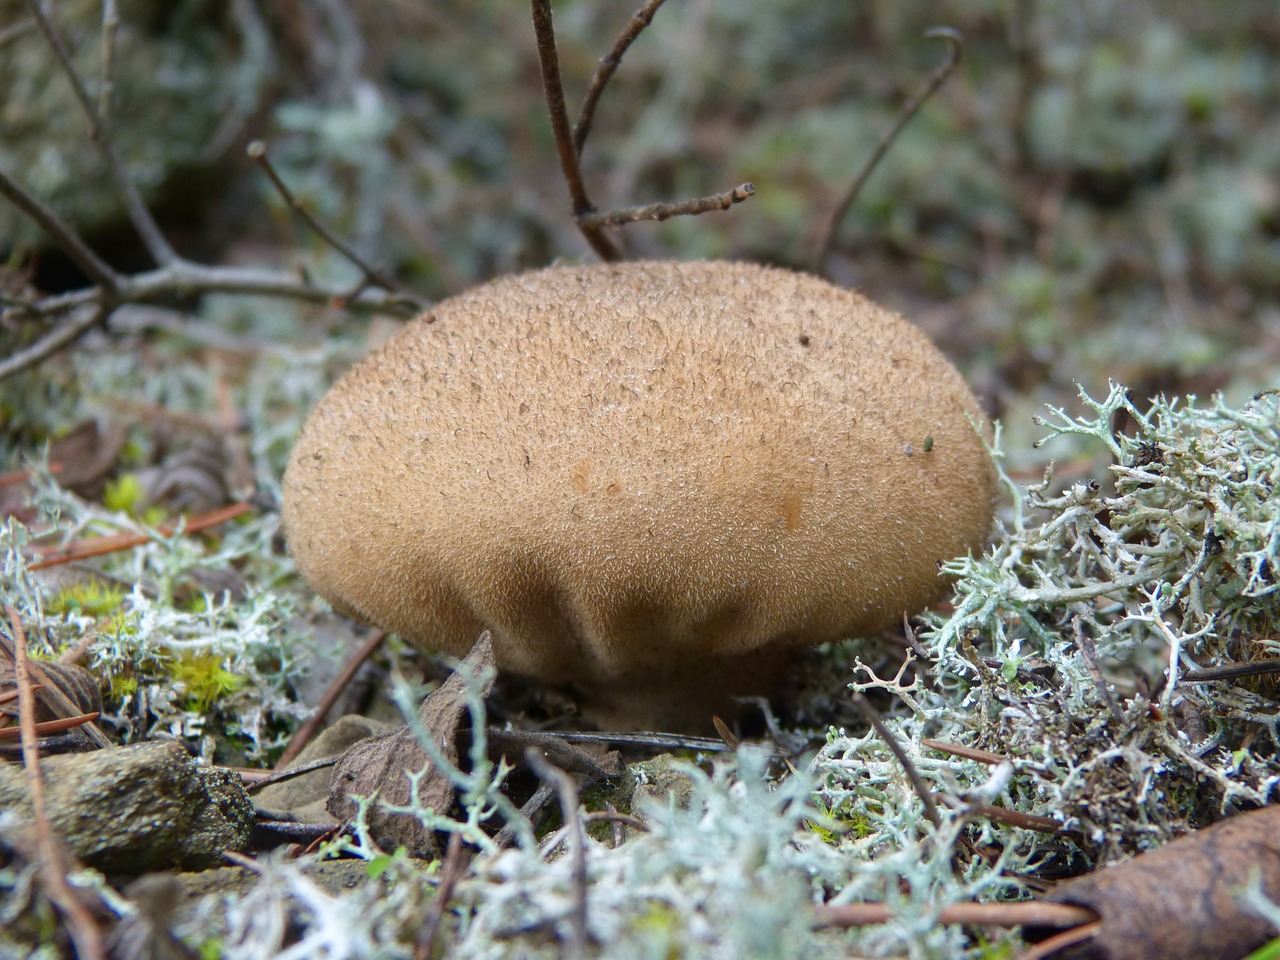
(1181, 901)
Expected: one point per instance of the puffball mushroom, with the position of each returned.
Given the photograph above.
(651, 481)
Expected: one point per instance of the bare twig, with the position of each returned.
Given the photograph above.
(46, 727)
(955, 49)
(665, 211)
(308, 729)
(85, 934)
(94, 267)
(968, 753)
(605, 70)
(1055, 944)
(100, 134)
(622, 819)
(106, 90)
(98, 546)
(1029, 914)
(59, 338)
(568, 794)
(456, 858)
(255, 780)
(507, 835)
(183, 278)
(917, 782)
(1232, 671)
(14, 31)
(257, 151)
(549, 60)
(656, 741)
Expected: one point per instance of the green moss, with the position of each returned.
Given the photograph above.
(91, 598)
(205, 678)
(124, 494)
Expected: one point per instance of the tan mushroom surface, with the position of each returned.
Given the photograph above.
(652, 481)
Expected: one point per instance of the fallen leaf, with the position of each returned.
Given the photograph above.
(381, 764)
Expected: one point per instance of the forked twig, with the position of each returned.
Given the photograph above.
(607, 67)
(569, 143)
(955, 50)
(553, 87)
(80, 923)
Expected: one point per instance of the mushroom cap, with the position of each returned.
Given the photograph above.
(651, 481)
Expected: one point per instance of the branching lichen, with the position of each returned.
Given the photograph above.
(1071, 637)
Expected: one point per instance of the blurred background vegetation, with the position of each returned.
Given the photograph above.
(1094, 194)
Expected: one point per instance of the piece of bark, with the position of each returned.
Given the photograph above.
(381, 764)
(1181, 902)
(147, 806)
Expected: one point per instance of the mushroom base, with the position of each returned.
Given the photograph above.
(688, 695)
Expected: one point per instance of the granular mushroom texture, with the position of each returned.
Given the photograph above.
(651, 481)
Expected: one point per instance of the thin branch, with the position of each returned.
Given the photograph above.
(107, 87)
(456, 859)
(14, 31)
(1232, 671)
(59, 338)
(568, 795)
(100, 546)
(182, 279)
(955, 49)
(917, 782)
(549, 62)
(606, 69)
(1032, 913)
(100, 134)
(84, 931)
(257, 151)
(665, 211)
(255, 780)
(1056, 944)
(308, 729)
(62, 233)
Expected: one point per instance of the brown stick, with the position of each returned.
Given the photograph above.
(549, 61)
(967, 753)
(607, 67)
(1029, 913)
(1047, 948)
(308, 729)
(46, 727)
(917, 782)
(451, 871)
(80, 923)
(568, 795)
(955, 45)
(97, 546)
